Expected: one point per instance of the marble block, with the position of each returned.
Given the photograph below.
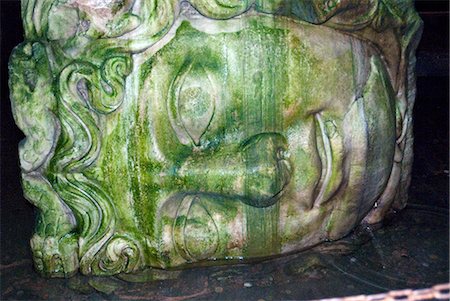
(170, 134)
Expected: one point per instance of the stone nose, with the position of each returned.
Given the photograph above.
(268, 170)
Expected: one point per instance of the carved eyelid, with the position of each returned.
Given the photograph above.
(192, 103)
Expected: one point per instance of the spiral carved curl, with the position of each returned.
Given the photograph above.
(87, 92)
(120, 254)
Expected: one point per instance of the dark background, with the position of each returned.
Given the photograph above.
(430, 170)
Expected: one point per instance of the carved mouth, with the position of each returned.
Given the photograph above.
(331, 176)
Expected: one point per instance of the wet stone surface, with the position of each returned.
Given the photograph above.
(369, 261)
(409, 251)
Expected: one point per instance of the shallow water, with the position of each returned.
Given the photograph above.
(410, 251)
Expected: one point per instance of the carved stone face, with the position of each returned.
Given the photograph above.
(263, 135)
(160, 136)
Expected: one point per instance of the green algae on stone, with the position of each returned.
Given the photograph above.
(171, 134)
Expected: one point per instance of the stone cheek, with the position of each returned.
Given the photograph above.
(207, 140)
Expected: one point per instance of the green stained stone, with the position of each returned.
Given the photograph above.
(217, 133)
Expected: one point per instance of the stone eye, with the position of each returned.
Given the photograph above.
(194, 101)
(193, 104)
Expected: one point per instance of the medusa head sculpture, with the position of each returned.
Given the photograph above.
(176, 133)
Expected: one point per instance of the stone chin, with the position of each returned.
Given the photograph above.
(212, 131)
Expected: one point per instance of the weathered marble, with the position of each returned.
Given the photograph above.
(171, 134)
